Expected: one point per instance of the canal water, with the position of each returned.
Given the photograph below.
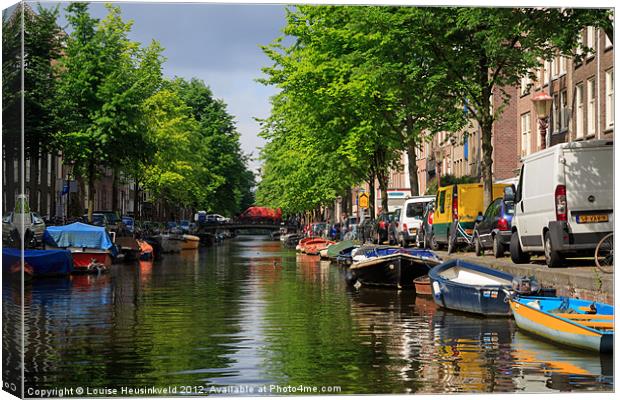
(251, 317)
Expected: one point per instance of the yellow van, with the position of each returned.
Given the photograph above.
(463, 201)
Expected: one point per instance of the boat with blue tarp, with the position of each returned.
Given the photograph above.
(37, 263)
(464, 286)
(389, 266)
(91, 247)
(573, 322)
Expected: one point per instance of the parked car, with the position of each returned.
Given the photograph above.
(493, 228)
(409, 219)
(128, 223)
(424, 234)
(34, 227)
(462, 202)
(113, 219)
(564, 201)
(184, 225)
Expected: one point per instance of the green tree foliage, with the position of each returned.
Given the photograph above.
(218, 148)
(42, 43)
(104, 78)
(484, 50)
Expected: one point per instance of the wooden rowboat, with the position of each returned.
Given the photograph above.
(190, 242)
(572, 322)
(463, 286)
(423, 286)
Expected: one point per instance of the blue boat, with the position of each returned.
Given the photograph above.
(388, 266)
(462, 286)
(37, 263)
(572, 322)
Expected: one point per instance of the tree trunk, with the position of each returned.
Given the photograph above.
(413, 170)
(91, 191)
(487, 162)
(383, 186)
(115, 179)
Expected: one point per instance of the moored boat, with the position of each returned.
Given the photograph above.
(37, 263)
(190, 242)
(129, 247)
(463, 286)
(335, 249)
(302, 243)
(390, 266)
(170, 242)
(314, 247)
(572, 322)
(91, 246)
(423, 286)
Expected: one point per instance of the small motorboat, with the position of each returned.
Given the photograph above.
(335, 249)
(190, 242)
(423, 286)
(128, 247)
(572, 322)
(302, 243)
(390, 266)
(314, 247)
(37, 263)
(291, 240)
(463, 286)
(91, 247)
(171, 242)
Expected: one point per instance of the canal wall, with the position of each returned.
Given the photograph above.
(586, 283)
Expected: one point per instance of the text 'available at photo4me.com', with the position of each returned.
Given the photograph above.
(84, 391)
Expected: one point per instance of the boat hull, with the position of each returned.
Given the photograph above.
(423, 286)
(394, 271)
(479, 298)
(190, 242)
(560, 330)
(91, 262)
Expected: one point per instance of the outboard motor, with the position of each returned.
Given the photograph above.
(525, 285)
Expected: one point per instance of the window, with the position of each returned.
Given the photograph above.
(39, 164)
(579, 110)
(442, 201)
(590, 42)
(591, 93)
(555, 114)
(563, 111)
(546, 72)
(525, 85)
(27, 170)
(15, 170)
(582, 42)
(609, 99)
(556, 66)
(562, 65)
(525, 134)
(608, 43)
(38, 201)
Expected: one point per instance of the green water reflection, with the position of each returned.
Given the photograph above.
(251, 313)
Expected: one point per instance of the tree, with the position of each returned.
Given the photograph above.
(104, 78)
(484, 50)
(219, 147)
(42, 43)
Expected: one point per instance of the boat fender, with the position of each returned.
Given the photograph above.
(534, 304)
(436, 290)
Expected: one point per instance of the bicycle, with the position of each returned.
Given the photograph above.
(604, 254)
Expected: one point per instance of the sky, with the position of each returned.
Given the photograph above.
(218, 43)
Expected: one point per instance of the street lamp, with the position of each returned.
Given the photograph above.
(542, 104)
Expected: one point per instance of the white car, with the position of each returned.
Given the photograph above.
(564, 201)
(409, 219)
(217, 218)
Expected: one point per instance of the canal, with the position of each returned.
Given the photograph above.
(248, 314)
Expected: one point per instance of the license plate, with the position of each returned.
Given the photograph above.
(586, 219)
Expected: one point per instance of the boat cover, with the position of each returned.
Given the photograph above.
(335, 249)
(78, 234)
(42, 262)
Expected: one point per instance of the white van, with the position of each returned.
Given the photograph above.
(409, 219)
(564, 201)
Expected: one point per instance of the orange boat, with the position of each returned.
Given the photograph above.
(302, 243)
(314, 247)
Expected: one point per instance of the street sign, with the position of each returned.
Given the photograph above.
(363, 202)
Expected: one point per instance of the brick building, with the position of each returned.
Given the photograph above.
(583, 97)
